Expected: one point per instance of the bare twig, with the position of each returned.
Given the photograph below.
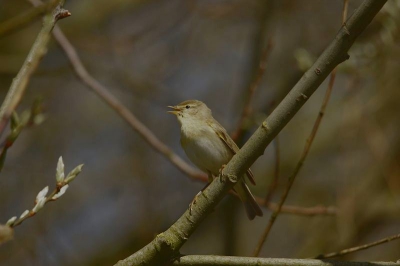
(251, 91)
(213, 260)
(302, 211)
(25, 18)
(296, 210)
(38, 50)
(303, 157)
(358, 248)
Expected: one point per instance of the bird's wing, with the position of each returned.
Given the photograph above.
(224, 136)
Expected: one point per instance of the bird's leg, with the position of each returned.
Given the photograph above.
(220, 171)
(210, 179)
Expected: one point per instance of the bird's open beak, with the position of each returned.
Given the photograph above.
(175, 111)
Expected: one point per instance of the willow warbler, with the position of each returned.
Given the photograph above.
(209, 147)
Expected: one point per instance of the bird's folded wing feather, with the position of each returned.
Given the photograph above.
(223, 135)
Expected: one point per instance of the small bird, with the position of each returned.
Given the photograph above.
(209, 147)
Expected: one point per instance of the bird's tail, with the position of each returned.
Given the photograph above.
(252, 208)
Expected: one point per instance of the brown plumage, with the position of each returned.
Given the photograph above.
(209, 147)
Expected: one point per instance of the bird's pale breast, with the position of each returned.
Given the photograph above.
(204, 148)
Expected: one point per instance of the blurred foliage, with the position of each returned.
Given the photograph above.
(156, 53)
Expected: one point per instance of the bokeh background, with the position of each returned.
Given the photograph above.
(155, 53)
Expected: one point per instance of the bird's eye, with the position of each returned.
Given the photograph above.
(187, 106)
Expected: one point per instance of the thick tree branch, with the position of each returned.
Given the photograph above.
(199, 260)
(38, 50)
(167, 244)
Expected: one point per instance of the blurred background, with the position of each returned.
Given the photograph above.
(155, 53)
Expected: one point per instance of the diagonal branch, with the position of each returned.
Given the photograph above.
(38, 50)
(166, 245)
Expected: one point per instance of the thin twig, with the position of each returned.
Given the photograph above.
(38, 50)
(302, 211)
(25, 18)
(251, 91)
(295, 210)
(214, 260)
(358, 248)
(274, 182)
(303, 157)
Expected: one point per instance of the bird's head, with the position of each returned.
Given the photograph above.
(191, 110)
